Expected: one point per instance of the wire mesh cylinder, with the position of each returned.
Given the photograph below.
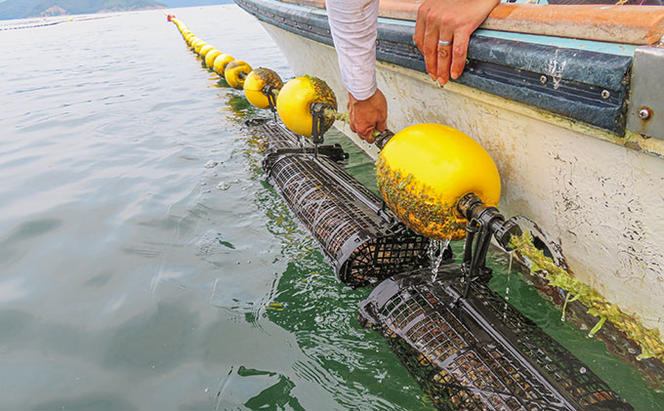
(479, 353)
(363, 240)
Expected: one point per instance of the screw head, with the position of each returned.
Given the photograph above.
(543, 79)
(644, 113)
(606, 94)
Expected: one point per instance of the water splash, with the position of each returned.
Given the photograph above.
(507, 284)
(436, 252)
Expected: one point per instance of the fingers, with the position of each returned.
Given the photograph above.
(443, 57)
(367, 134)
(459, 52)
(430, 46)
(420, 26)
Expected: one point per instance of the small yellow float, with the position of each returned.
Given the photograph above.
(261, 87)
(204, 50)
(221, 62)
(295, 100)
(235, 73)
(210, 57)
(199, 46)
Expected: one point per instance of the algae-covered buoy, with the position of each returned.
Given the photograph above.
(295, 100)
(255, 83)
(210, 57)
(221, 62)
(235, 73)
(204, 50)
(425, 169)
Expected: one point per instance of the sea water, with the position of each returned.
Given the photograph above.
(146, 264)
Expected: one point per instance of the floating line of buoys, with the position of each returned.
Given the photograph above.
(422, 171)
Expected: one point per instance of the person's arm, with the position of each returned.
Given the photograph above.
(354, 26)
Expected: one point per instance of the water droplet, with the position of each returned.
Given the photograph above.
(223, 186)
(211, 164)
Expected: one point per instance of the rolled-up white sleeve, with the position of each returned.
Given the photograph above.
(354, 26)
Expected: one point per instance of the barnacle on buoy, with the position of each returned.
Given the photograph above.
(210, 57)
(256, 82)
(235, 73)
(295, 100)
(425, 169)
(221, 62)
(204, 50)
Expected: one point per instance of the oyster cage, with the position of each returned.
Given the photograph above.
(479, 353)
(363, 240)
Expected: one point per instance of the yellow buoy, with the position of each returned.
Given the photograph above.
(256, 81)
(204, 50)
(295, 99)
(194, 41)
(235, 73)
(221, 62)
(199, 46)
(425, 169)
(210, 57)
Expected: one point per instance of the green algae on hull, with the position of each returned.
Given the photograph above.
(649, 340)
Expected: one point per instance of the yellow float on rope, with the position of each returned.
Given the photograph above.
(204, 50)
(235, 73)
(221, 62)
(194, 42)
(211, 56)
(199, 46)
(294, 103)
(423, 172)
(255, 83)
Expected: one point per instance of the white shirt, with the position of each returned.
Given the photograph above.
(354, 26)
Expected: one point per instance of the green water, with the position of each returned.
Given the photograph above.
(146, 264)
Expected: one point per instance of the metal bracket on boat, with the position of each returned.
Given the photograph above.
(483, 223)
(646, 109)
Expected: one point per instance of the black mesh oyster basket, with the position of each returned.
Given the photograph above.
(363, 240)
(479, 353)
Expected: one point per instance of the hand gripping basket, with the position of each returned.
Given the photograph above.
(361, 237)
(478, 353)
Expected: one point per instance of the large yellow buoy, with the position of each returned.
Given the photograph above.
(235, 73)
(205, 49)
(199, 46)
(221, 62)
(425, 169)
(256, 81)
(295, 99)
(210, 57)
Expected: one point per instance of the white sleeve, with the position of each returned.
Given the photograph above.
(354, 26)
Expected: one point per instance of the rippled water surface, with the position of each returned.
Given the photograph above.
(147, 265)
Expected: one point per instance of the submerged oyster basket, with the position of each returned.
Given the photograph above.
(361, 237)
(478, 352)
